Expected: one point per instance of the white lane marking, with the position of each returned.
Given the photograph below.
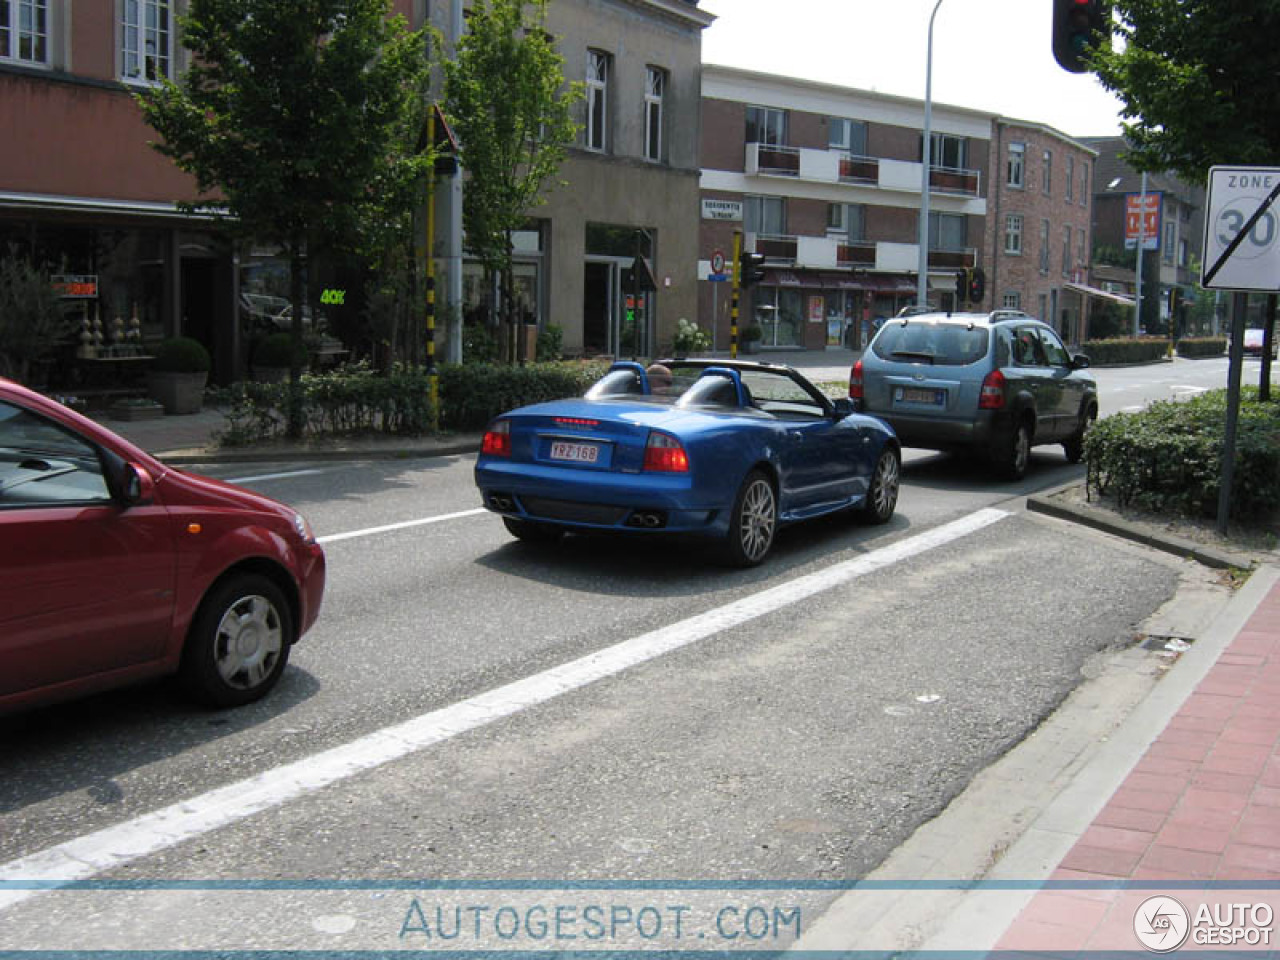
(404, 524)
(114, 846)
(277, 476)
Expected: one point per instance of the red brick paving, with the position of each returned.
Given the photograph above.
(1202, 804)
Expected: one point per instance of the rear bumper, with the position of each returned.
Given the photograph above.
(988, 429)
(590, 500)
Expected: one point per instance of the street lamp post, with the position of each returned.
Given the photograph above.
(922, 274)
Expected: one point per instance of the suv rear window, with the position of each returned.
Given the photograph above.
(944, 344)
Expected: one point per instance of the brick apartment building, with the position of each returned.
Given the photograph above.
(81, 188)
(825, 182)
(1039, 245)
(1179, 236)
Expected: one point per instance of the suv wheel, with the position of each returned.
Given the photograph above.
(1073, 446)
(1012, 460)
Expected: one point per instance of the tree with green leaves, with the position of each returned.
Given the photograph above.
(1197, 79)
(291, 119)
(512, 112)
(1198, 82)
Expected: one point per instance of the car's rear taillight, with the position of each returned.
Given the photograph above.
(664, 453)
(992, 395)
(855, 382)
(497, 439)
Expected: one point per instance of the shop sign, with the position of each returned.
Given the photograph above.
(75, 286)
(721, 209)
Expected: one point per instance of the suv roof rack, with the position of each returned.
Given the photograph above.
(1007, 313)
(916, 310)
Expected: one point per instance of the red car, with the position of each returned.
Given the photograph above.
(115, 568)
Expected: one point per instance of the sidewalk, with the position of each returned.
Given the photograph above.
(1185, 793)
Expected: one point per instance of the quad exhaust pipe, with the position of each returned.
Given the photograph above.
(502, 502)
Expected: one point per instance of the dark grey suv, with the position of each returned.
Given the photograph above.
(999, 383)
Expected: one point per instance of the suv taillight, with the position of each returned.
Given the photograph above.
(992, 395)
(664, 453)
(497, 440)
(855, 382)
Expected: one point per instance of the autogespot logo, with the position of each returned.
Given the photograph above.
(1161, 924)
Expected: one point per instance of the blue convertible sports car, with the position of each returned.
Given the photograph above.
(726, 450)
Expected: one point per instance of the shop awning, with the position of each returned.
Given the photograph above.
(792, 278)
(1089, 291)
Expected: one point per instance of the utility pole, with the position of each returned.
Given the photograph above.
(922, 272)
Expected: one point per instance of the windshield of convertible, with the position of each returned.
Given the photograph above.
(773, 392)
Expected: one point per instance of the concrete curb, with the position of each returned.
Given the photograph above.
(1138, 533)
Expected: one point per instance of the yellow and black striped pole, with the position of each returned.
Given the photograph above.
(433, 379)
(733, 301)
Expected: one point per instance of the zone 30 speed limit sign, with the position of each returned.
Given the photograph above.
(1236, 195)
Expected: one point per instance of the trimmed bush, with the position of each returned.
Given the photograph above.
(1202, 346)
(181, 355)
(356, 399)
(1125, 350)
(1169, 457)
(473, 394)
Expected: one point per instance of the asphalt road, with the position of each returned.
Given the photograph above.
(790, 723)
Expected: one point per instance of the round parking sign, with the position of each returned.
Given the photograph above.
(717, 261)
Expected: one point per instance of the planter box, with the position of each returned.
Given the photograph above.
(136, 411)
(179, 392)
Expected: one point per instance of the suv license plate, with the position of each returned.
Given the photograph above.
(916, 395)
(577, 452)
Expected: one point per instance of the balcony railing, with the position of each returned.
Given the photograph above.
(833, 252)
(839, 166)
(855, 254)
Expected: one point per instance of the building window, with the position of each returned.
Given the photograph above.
(1011, 301)
(655, 86)
(847, 135)
(1183, 253)
(947, 231)
(1066, 251)
(1071, 179)
(1170, 241)
(1016, 171)
(1084, 184)
(24, 30)
(846, 220)
(765, 125)
(145, 38)
(765, 215)
(947, 151)
(1046, 173)
(1081, 260)
(597, 100)
(1013, 234)
(1044, 246)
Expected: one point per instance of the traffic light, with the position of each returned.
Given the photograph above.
(750, 269)
(962, 287)
(977, 285)
(1078, 24)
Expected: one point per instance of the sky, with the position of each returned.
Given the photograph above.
(992, 55)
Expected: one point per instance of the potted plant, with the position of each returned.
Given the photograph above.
(750, 336)
(178, 374)
(271, 356)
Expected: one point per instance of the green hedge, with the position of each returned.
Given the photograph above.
(1125, 350)
(356, 399)
(1169, 457)
(1202, 346)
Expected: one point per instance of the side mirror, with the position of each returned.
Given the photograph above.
(843, 407)
(138, 487)
(1079, 361)
(130, 484)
